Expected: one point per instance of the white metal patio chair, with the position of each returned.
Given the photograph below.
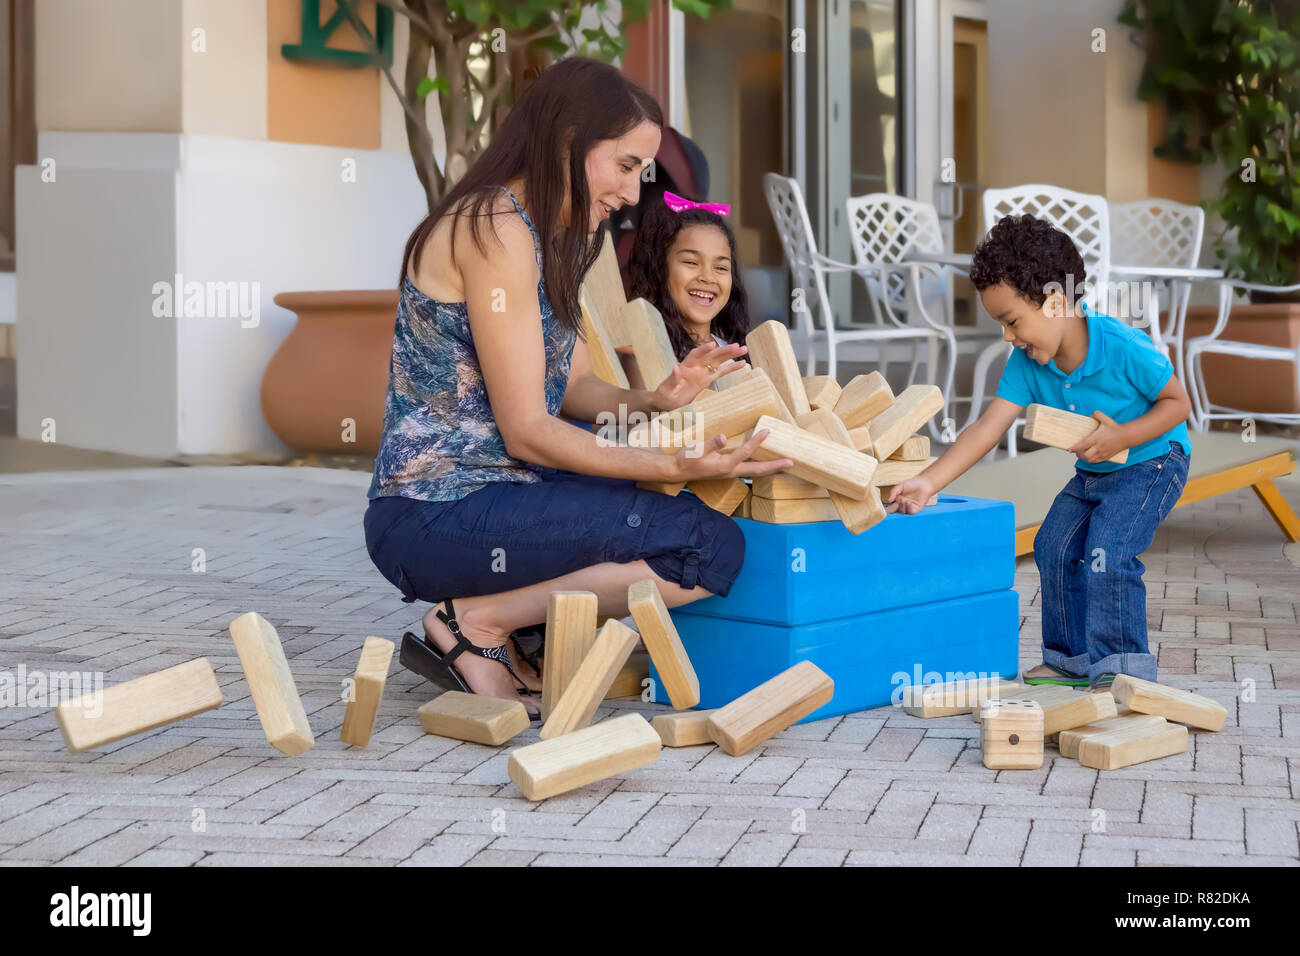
(810, 268)
(1203, 410)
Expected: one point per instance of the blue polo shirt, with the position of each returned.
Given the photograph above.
(1121, 376)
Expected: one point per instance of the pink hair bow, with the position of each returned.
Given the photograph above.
(677, 203)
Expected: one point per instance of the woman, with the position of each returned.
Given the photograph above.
(486, 359)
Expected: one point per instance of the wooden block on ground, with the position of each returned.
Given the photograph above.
(1064, 707)
(1170, 703)
(592, 680)
(1067, 741)
(817, 459)
(792, 510)
(864, 398)
(720, 494)
(670, 488)
(284, 721)
(861, 438)
(645, 330)
(687, 728)
(1125, 746)
(782, 485)
(856, 515)
(631, 678)
(822, 391)
(770, 350)
(912, 409)
(600, 350)
(770, 708)
(583, 757)
(367, 691)
(892, 472)
(1062, 429)
(663, 644)
(1011, 734)
(570, 632)
(916, 448)
(955, 697)
(143, 703)
(473, 717)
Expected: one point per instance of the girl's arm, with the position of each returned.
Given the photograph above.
(1171, 408)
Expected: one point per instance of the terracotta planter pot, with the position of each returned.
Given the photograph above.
(1254, 384)
(333, 366)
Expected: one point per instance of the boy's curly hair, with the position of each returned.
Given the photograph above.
(1029, 255)
(648, 275)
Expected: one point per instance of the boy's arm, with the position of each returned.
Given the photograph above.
(1171, 408)
(971, 445)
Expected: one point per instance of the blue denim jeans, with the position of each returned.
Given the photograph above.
(1094, 600)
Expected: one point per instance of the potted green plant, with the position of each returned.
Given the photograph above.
(1228, 75)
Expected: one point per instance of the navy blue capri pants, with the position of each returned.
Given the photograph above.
(509, 535)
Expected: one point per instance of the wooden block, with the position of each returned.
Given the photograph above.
(143, 703)
(782, 485)
(1064, 707)
(734, 378)
(955, 697)
(367, 690)
(1170, 703)
(817, 459)
(1011, 734)
(1062, 429)
(913, 408)
(892, 472)
(592, 680)
(1126, 746)
(745, 508)
(473, 717)
(857, 516)
(602, 287)
(770, 708)
(583, 757)
(670, 488)
(865, 397)
(274, 694)
(731, 413)
(600, 352)
(663, 643)
(770, 350)
(861, 438)
(570, 632)
(631, 679)
(720, 494)
(916, 448)
(648, 337)
(792, 510)
(687, 728)
(822, 391)
(1067, 741)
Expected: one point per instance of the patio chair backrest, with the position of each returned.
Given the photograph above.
(885, 228)
(1084, 217)
(790, 215)
(1156, 232)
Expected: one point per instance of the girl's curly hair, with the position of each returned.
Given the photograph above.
(648, 275)
(1030, 255)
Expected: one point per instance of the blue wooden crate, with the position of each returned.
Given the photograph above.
(864, 654)
(801, 573)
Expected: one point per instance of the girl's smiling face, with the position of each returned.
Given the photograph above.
(699, 273)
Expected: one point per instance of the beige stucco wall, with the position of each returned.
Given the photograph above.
(224, 87)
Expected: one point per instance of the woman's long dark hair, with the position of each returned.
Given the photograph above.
(576, 97)
(648, 275)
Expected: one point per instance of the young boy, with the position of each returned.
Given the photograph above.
(1070, 357)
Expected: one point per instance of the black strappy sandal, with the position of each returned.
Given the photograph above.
(423, 657)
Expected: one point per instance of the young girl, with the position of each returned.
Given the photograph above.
(1067, 356)
(684, 263)
(486, 366)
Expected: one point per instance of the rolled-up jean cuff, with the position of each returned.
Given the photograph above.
(1142, 666)
(1071, 665)
(680, 570)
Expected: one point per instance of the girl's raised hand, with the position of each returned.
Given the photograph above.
(702, 366)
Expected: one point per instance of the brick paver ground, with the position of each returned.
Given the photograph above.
(97, 574)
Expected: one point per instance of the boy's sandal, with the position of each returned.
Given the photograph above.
(1103, 682)
(1060, 678)
(423, 657)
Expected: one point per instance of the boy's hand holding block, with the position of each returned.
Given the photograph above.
(147, 702)
(589, 685)
(367, 690)
(913, 408)
(585, 756)
(1170, 703)
(662, 641)
(480, 720)
(1062, 429)
(770, 708)
(279, 708)
(770, 350)
(834, 466)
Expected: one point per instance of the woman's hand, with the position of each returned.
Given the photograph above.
(708, 460)
(1108, 440)
(910, 496)
(702, 367)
